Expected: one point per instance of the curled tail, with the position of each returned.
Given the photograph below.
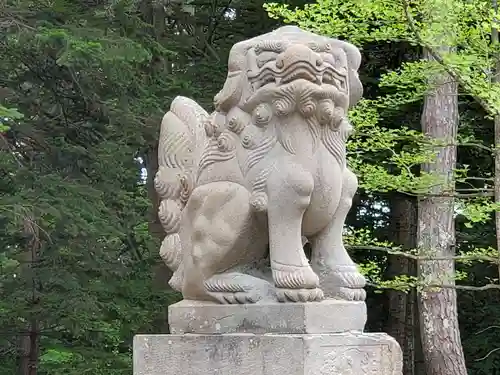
(182, 136)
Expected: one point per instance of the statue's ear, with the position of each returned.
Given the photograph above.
(355, 88)
(231, 92)
(353, 62)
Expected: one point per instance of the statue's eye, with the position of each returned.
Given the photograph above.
(267, 80)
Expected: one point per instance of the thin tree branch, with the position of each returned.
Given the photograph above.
(463, 258)
(413, 27)
(446, 286)
(485, 329)
(487, 355)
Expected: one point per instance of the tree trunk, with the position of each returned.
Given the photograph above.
(400, 322)
(151, 164)
(495, 78)
(418, 358)
(29, 348)
(441, 344)
(162, 273)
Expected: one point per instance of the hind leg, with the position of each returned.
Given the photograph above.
(220, 233)
(339, 275)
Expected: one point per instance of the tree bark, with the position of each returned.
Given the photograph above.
(29, 350)
(162, 273)
(400, 322)
(495, 78)
(440, 334)
(151, 164)
(29, 347)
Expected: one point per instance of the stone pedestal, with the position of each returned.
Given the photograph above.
(322, 338)
(329, 316)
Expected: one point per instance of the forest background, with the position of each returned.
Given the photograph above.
(83, 87)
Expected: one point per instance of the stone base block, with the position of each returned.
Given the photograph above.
(329, 316)
(267, 354)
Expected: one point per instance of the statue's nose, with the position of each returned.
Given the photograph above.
(298, 53)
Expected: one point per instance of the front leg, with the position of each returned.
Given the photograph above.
(339, 275)
(289, 189)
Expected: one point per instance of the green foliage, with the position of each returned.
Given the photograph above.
(89, 82)
(428, 23)
(76, 255)
(386, 151)
(93, 80)
(388, 159)
(8, 115)
(394, 170)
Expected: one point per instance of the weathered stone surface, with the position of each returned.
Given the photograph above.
(265, 169)
(268, 354)
(329, 316)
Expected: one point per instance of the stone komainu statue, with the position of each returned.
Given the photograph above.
(240, 187)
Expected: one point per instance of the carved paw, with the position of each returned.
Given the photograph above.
(294, 277)
(343, 282)
(177, 279)
(350, 277)
(351, 284)
(235, 298)
(234, 288)
(299, 295)
(348, 294)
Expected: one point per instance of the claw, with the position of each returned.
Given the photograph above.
(299, 295)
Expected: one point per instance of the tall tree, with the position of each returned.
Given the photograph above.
(442, 347)
(495, 78)
(75, 255)
(402, 307)
(466, 25)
